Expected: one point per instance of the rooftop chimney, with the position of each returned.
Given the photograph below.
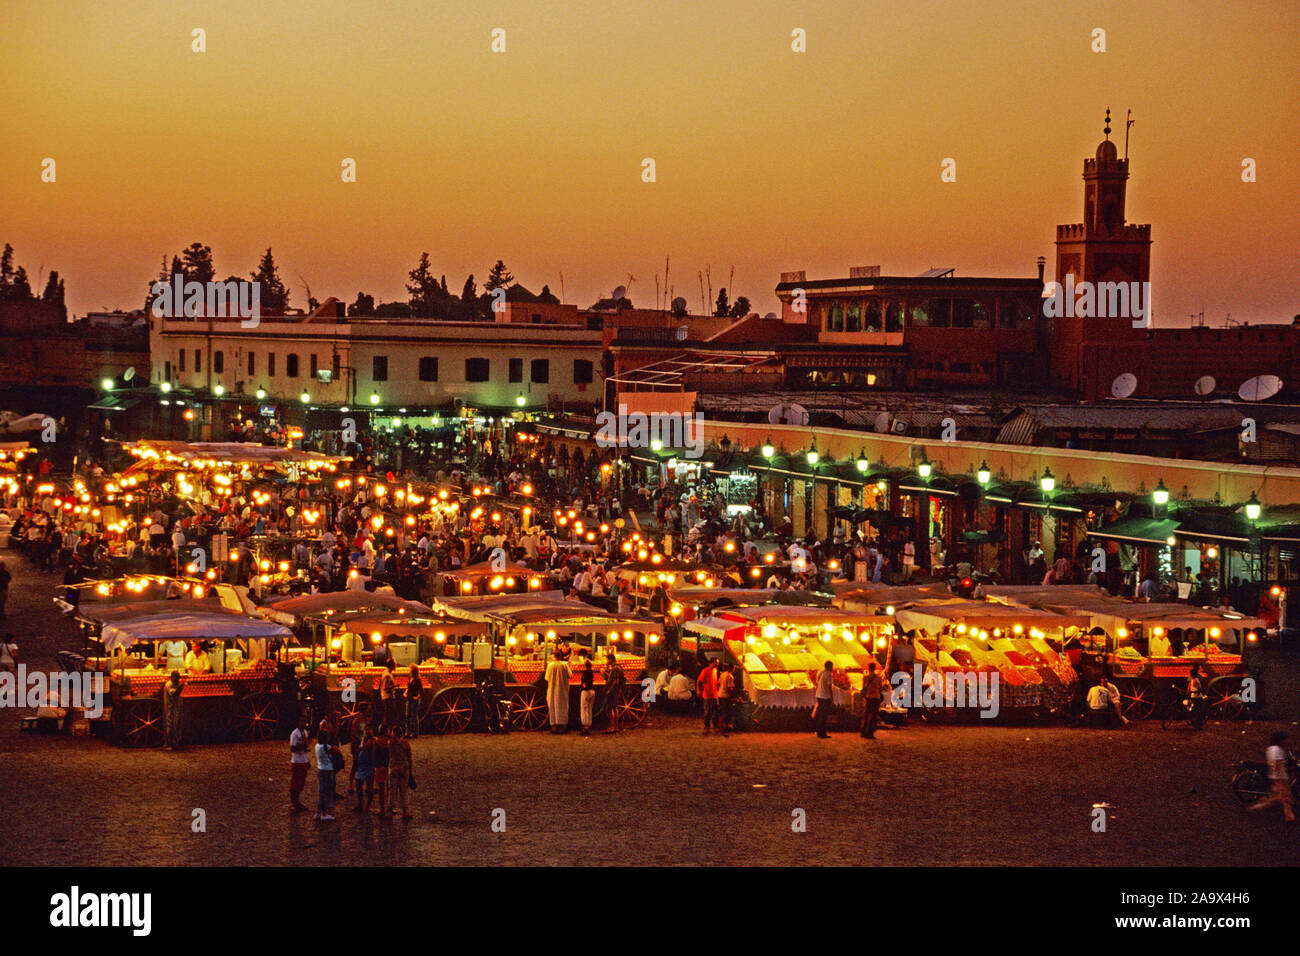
(1042, 263)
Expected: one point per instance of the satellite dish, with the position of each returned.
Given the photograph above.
(770, 315)
(1124, 385)
(128, 374)
(1259, 388)
(791, 414)
(620, 292)
(1205, 385)
(882, 422)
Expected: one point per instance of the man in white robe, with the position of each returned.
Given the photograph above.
(558, 674)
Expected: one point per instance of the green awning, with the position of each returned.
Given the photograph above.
(115, 403)
(1141, 530)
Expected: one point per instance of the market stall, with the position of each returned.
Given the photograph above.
(1150, 648)
(781, 649)
(238, 692)
(1023, 646)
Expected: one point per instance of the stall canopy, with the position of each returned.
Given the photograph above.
(854, 596)
(935, 617)
(290, 610)
(212, 625)
(722, 597)
(1111, 613)
(717, 628)
(487, 607)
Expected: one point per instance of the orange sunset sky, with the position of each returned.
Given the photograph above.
(767, 160)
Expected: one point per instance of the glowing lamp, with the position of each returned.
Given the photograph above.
(1161, 494)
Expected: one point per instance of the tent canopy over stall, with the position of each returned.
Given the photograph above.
(214, 624)
(291, 611)
(746, 597)
(935, 617)
(858, 597)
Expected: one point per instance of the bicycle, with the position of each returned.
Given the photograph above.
(1192, 710)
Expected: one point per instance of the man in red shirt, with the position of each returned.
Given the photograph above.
(706, 685)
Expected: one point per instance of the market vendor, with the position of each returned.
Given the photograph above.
(196, 661)
(1159, 646)
(172, 653)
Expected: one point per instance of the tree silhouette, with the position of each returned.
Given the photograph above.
(274, 295)
(721, 307)
(364, 306)
(53, 294)
(499, 277)
(740, 308)
(196, 262)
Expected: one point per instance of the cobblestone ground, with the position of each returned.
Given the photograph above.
(663, 794)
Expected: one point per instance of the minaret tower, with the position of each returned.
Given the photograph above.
(1102, 248)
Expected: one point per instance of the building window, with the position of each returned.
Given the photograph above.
(291, 365)
(477, 369)
(218, 361)
(969, 314)
(167, 371)
(582, 372)
(872, 317)
(932, 313)
(894, 317)
(313, 364)
(252, 364)
(334, 366)
(270, 365)
(853, 317)
(540, 372)
(516, 370)
(429, 368)
(182, 360)
(379, 368)
(198, 361)
(835, 316)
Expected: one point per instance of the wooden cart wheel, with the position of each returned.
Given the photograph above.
(1225, 698)
(142, 723)
(528, 709)
(349, 713)
(632, 709)
(451, 712)
(257, 716)
(1136, 699)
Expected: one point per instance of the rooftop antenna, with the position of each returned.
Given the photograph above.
(703, 306)
(1108, 122)
(1127, 123)
(562, 299)
(668, 290)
